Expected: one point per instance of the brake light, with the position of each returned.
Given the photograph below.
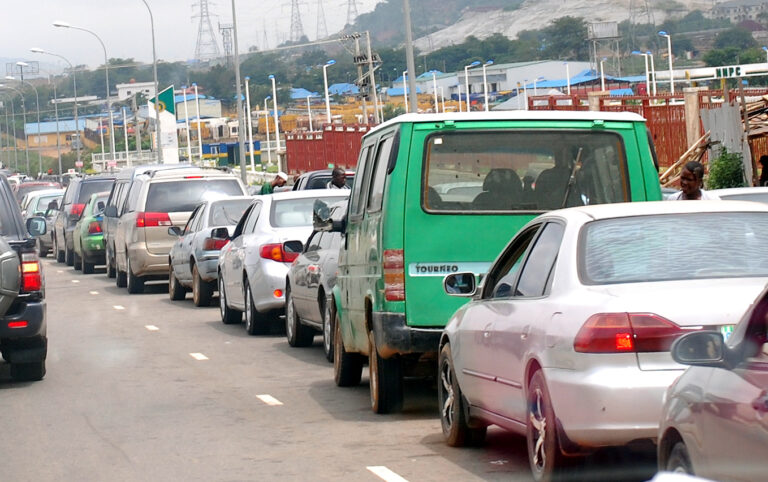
(77, 210)
(148, 220)
(31, 277)
(278, 293)
(17, 324)
(214, 244)
(626, 332)
(275, 252)
(393, 264)
(193, 177)
(94, 227)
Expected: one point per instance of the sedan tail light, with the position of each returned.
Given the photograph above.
(94, 227)
(148, 220)
(31, 274)
(214, 244)
(393, 265)
(626, 332)
(276, 252)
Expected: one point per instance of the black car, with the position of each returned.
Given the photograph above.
(319, 179)
(23, 338)
(76, 196)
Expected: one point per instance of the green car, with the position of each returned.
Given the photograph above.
(88, 235)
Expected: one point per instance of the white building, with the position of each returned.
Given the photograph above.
(127, 91)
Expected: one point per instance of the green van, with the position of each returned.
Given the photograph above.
(443, 193)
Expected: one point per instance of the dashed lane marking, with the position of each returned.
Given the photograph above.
(118, 307)
(151, 327)
(385, 474)
(269, 400)
(75, 280)
(93, 292)
(198, 356)
(59, 271)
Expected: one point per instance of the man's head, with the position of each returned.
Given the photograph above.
(692, 178)
(339, 177)
(280, 179)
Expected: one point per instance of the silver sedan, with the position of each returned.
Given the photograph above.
(254, 265)
(567, 339)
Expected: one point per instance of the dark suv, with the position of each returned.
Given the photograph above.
(75, 197)
(23, 340)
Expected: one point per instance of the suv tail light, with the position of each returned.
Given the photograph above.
(394, 274)
(275, 252)
(77, 210)
(214, 244)
(94, 227)
(626, 332)
(31, 275)
(148, 220)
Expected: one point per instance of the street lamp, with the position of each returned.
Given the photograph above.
(434, 88)
(568, 78)
(466, 80)
(309, 113)
(327, 96)
(653, 72)
(37, 50)
(525, 93)
(23, 119)
(602, 75)
(186, 127)
(199, 128)
(669, 54)
(485, 83)
(21, 66)
(250, 121)
(277, 130)
(536, 92)
(157, 91)
(266, 119)
(239, 101)
(405, 90)
(61, 24)
(645, 57)
(8, 134)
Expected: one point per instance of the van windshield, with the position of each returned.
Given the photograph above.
(523, 170)
(181, 196)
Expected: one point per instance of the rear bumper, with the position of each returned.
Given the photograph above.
(144, 263)
(208, 266)
(393, 336)
(28, 344)
(267, 278)
(93, 250)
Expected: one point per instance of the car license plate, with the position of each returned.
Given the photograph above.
(726, 331)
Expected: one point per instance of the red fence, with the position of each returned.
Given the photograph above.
(335, 144)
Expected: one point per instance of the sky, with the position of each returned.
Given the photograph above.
(124, 27)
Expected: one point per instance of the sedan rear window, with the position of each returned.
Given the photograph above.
(89, 188)
(289, 213)
(673, 247)
(182, 196)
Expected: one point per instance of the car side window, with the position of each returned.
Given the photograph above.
(192, 221)
(327, 240)
(122, 197)
(253, 217)
(356, 202)
(313, 243)
(379, 174)
(538, 268)
(501, 280)
(133, 196)
(241, 223)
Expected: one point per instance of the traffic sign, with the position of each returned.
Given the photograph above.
(78, 163)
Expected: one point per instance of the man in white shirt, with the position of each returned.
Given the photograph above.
(692, 184)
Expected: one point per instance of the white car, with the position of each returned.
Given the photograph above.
(757, 194)
(253, 266)
(567, 338)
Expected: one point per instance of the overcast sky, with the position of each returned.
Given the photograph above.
(124, 26)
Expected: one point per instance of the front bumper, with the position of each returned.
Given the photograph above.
(144, 263)
(608, 406)
(394, 337)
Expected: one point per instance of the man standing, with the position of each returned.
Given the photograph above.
(278, 181)
(338, 179)
(692, 184)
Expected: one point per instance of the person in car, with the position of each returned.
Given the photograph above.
(278, 181)
(692, 184)
(338, 179)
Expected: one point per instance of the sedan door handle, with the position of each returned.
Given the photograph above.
(761, 403)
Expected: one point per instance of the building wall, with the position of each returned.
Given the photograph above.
(208, 108)
(739, 13)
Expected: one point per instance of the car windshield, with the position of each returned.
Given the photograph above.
(29, 187)
(523, 170)
(89, 188)
(227, 213)
(289, 213)
(42, 203)
(673, 247)
(181, 196)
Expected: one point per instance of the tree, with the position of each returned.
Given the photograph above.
(736, 37)
(566, 38)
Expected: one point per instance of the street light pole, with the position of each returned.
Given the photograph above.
(434, 89)
(186, 125)
(568, 77)
(653, 72)
(21, 66)
(266, 119)
(645, 57)
(405, 90)
(199, 128)
(466, 81)
(325, 83)
(249, 119)
(409, 56)
(309, 113)
(157, 91)
(23, 119)
(669, 55)
(277, 129)
(485, 83)
(602, 75)
(239, 100)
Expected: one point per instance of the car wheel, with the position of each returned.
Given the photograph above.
(59, 252)
(255, 322)
(347, 367)
(86, 266)
(453, 415)
(298, 334)
(202, 291)
(135, 283)
(121, 279)
(679, 461)
(175, 290)
(69, 255)
(76, 261)
(386, 380)
(328, 330)
(27, 372)
(544, 454)
(111, 271)
(228, 315)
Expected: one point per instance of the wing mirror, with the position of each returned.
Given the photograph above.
(702, 348)
(293, 247)
(174, 231)
(36, 226)
(220, 233)
(323, 219)
(460, 284)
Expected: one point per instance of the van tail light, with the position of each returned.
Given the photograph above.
(275, 252)
(393, 264)
(214, 244)
(94, 228)
(77, 210)
(31, 274)
(626, 332)
(149, 220)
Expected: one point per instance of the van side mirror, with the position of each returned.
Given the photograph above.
(460, 284)
(321, 216)
(220, 233)
(293, 247)
(110, 211)
(702, 348)
(36, 226)
(174, 231)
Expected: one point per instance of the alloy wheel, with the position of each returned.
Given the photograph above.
(539, 424)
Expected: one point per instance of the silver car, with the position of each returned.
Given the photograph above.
(37, 203)
(253, 266)
(194, 257)
(757, 194)
(567, 339)
(715, 416)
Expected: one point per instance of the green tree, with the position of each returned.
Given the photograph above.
(727, 170)
(565, 38)
(736, 37)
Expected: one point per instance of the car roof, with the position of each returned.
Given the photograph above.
(740, 190)
(623, 210)
(44, 192)
(131, 172)
(325, 172)
(310, 193)
(230, 198)
(187, 171)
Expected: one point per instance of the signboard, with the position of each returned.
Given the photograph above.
(112, 163)
(169, 141)
(78, 163)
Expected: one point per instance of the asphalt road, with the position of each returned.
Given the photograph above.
(142, 388)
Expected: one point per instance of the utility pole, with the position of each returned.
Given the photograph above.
(409, 57)
(238, 101)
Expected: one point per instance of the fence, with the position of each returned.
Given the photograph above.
(335, 144)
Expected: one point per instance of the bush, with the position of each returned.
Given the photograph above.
(726, 170)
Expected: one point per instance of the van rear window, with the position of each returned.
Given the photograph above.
(87, 189)
(181, 196)
(523, 170)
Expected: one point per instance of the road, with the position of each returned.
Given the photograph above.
(142, 388)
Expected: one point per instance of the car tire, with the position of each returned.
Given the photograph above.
(328, 330)
(111, 271)
(85, 266)
(679, 461)
(347, 367)
(298, 334)
(544, 454)
(121, 279)
(175, 291)
(386, 380)
(59, 252)
(229, 316)
(135, 283)
(69, 255)
(453, 413)
(255, 322)
(27, 372)
(202, 291)
(76, 261)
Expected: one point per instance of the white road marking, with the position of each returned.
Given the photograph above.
(59, 271)
(119, 307)
(75, 280)
(151, 327)
(385, 474)
(94, 292)
(198, 356)
(269, 400)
